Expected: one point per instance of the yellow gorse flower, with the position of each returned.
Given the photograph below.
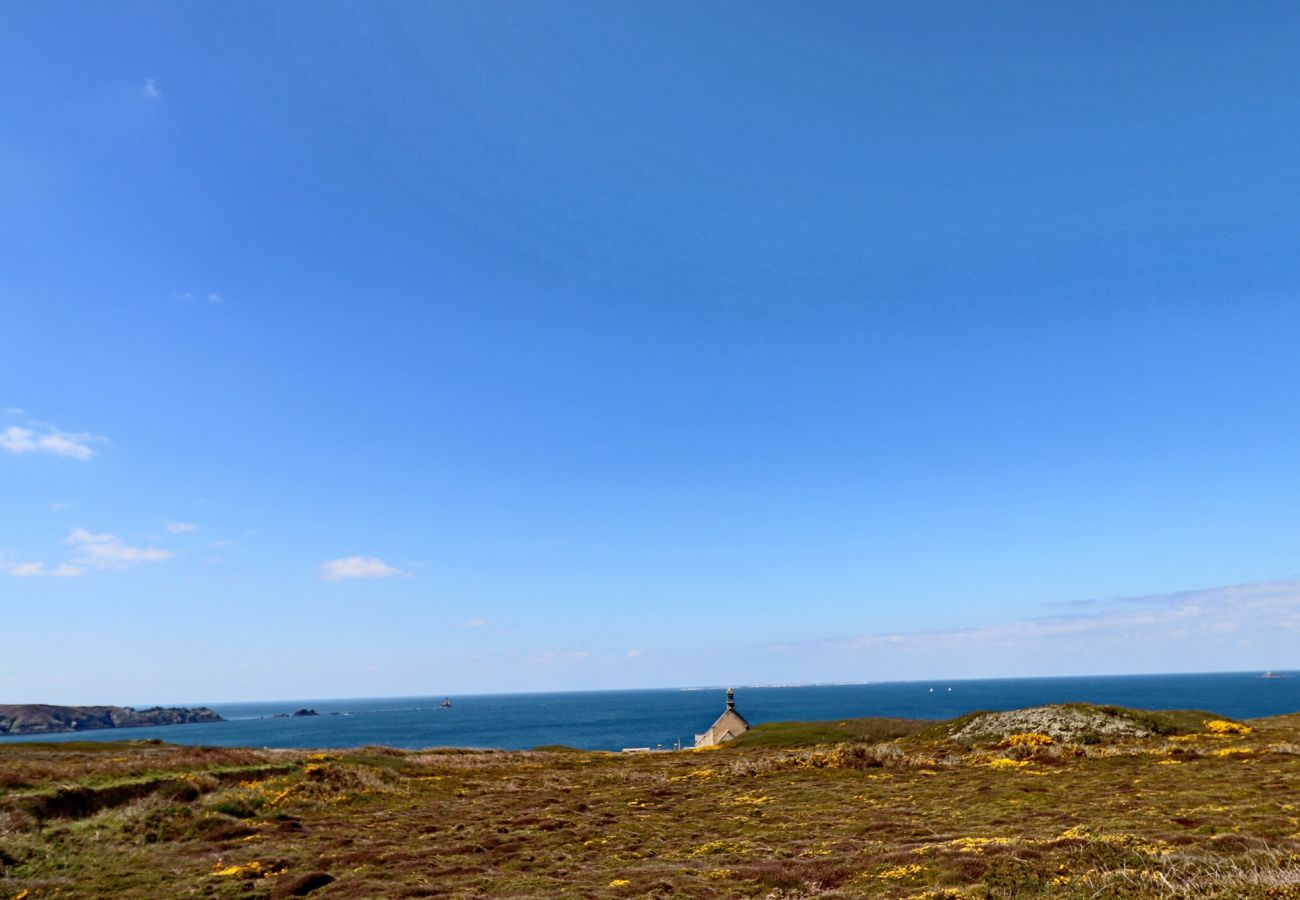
(1004, 763)
(898, 873)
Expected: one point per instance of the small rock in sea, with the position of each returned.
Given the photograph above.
(305, 712)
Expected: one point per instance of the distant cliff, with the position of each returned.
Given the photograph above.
(39, 718)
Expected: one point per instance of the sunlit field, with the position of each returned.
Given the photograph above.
(1095, 802)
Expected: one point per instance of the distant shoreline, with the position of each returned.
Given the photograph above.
(41, 718)
(292, 701)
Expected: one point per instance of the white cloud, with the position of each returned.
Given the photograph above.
(108, 551)
(214, 297)
(357, 567)
(476, 623)
(180, 527)
(14, 411)
(150, 90)
(58, 507)
(37, 570)
(48, 440)
(633, 654)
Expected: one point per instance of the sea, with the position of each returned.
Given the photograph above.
(665, 718)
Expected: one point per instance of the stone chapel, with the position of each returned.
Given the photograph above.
(730, 724)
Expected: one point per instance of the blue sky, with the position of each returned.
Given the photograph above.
(408, 348)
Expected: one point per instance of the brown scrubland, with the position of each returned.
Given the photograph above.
(1075, 801)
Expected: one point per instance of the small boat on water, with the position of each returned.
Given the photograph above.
(445, 704)
(1270, 675)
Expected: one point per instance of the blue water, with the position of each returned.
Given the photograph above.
(611, 720)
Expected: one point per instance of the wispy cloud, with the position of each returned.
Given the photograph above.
(14, 411)
(151, 90)
(476, 623)
(210, 296)
(38, 570)
(357, 567)
(108, 551)
(549, 657)
(1208, 611)
(58, 507)
(180, 527)
(40, 438)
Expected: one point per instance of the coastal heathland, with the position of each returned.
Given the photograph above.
(1075, 801)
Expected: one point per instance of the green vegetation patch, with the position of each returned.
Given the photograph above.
(809, 734)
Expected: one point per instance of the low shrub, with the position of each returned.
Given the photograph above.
(244, 807)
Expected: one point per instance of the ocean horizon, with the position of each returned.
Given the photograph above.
(663, 718)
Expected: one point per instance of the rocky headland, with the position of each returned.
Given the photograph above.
(40, 718)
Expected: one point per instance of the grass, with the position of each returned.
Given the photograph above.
(853, 808)
(808, 734)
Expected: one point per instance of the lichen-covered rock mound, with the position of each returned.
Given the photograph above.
(1076, 722)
